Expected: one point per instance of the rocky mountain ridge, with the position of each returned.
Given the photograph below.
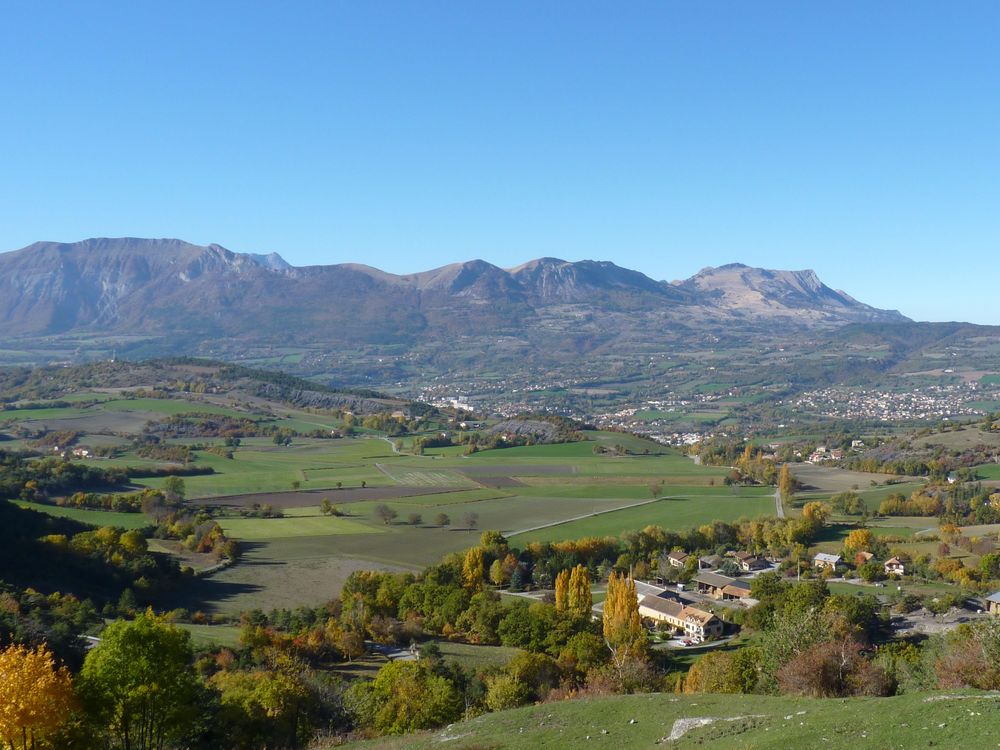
(154, 287)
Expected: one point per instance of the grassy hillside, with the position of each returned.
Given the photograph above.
(963, 719)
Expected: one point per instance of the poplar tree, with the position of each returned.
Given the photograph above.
(580, 598)
(474, 569)
(786, 483)
(562, 590)
(623, 633)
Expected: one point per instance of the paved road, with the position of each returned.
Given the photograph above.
(779, 509)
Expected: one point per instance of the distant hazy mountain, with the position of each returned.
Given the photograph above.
(209, 299)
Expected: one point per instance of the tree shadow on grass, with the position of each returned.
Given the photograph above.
(248, 559)
(208, 594)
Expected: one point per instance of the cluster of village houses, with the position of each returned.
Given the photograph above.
(74, 452)
(696, 625)
(825, 561)
(659, 605)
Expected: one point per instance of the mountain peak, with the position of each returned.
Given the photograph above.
(763, 291)
(270, 261)
(546, 262)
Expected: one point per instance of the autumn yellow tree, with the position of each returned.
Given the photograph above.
(474, 569)
(816, 513)
(562, 590)
(859, 540)
(35, 697)
(497, 577)
(623, 633)
(580, 598)
(786, 483)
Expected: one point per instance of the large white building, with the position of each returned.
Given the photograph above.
(694, 623)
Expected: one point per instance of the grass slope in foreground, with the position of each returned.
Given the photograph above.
(961, 719)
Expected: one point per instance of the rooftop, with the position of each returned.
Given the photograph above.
(720, 581)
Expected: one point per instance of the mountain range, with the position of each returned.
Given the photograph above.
(165, 287)
(591, 330)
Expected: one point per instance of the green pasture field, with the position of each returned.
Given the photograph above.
(208, 636)
(906, 525)
(473, 657)
(828, 479)
(424, 476)
(253, 529)
(988, 471)
(450, 451)
(261, 466)
(93, 517)
(508, 513)
(55, 412)
(676, 512)
(955, 720)
(306, 422)
(631, 491)
(428, 504)
(86, 396)
(301, 571)
(879, 494)
(530, 453)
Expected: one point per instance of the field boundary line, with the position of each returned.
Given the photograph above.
(588, 515)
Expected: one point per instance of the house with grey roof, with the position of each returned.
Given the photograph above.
(993, 603)
(823, 560)
(719, 586)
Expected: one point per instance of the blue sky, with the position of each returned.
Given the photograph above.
(860, 139)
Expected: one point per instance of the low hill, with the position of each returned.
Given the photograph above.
(204, 380)
(962, 719)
